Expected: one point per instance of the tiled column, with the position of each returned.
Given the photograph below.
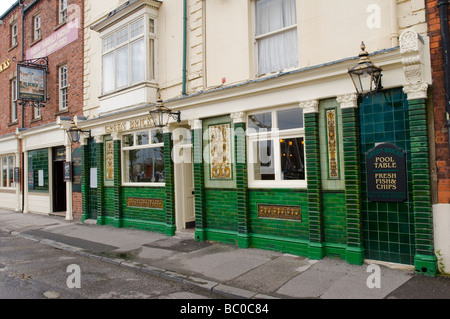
(412, 50)
(84, 179)
(169, 182)
(100, 180)
(117, 189)
(240, 150)
(199, 182)
(312, 149)
(350, 128)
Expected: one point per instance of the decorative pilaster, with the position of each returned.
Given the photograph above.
(240, 144)
(411, 48)
(312, 149)
(350, 131)
(169, 183)
(117, 190)
(84, 179)
(199, 181)
(100, 180)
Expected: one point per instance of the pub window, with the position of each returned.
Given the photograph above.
(7, 171)
(143, 158)
(276, 148)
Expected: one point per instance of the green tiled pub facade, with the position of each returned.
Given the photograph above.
(337, 218)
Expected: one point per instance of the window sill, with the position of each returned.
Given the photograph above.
(8, 190)
(144, 184)
(36, 119)
(150, 83)
(13, 123)
(60, 25)
(61, 112)
(13, 47)
(35, 41)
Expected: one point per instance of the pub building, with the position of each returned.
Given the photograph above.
(40, 83)
(299, 159)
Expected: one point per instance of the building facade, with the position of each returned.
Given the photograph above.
(439, 39)
(41, 82)
(274, 148)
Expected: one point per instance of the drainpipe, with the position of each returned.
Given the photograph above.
(21, 4)
(184, 46)
(443, 13)
(394, 23)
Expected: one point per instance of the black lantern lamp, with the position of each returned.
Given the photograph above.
(365, 75)
(161, 114)
(74, 133)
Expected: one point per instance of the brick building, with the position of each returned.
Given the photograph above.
(438, 32)
(33, 142)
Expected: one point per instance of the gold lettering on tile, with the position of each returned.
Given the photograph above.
(145, 202)
(280, 212)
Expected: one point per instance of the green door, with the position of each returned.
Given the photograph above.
(388, 228)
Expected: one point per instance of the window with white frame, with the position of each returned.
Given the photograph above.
(13, 100)
(276, 148)
(14, 32)
(37, 27)
(143, 158)
(62, 11)
(63, 88)
(276, 35)
(37, 112)
(7, 171)
(127, 55)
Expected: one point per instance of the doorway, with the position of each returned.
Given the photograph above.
(59, 185)
(184, 188)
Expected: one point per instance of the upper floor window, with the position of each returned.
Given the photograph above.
(276, 35)
(37, 27)
(62, 11)
(127, 55)
(63, 87)
(13, 100)
(14, 32)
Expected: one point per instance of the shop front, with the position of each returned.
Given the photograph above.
(293, 163)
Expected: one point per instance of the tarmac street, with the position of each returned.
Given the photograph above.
(226, 269)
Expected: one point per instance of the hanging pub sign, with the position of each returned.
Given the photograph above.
(32, 80)
(386, 174)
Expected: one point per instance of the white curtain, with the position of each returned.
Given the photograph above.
(278, 51)
(122, 67)
(108, 73)
(137, 61)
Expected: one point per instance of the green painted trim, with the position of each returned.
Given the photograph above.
(144, 225)
(316, 251)
(222, 236)
(285, 245)
(426, 265)
(354, 256)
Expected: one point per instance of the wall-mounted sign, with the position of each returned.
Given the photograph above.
(76, 170)
(280, 212)
(5, 65)
(145, 202)
(32, 83)
(130, 125)
(386, 174)
(57, 40)
(16, 175)
(31, 179)
(67, 172)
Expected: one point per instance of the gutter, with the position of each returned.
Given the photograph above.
(183, 90)
(443, 14)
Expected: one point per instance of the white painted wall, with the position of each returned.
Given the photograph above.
(441, 221)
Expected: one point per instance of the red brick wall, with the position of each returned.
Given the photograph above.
(439, 102)
(71, 54)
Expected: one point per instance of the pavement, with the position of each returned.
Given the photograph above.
(226, 269)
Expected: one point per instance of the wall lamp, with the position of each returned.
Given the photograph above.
(161, 114)
(74, 133)
(365, 75)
